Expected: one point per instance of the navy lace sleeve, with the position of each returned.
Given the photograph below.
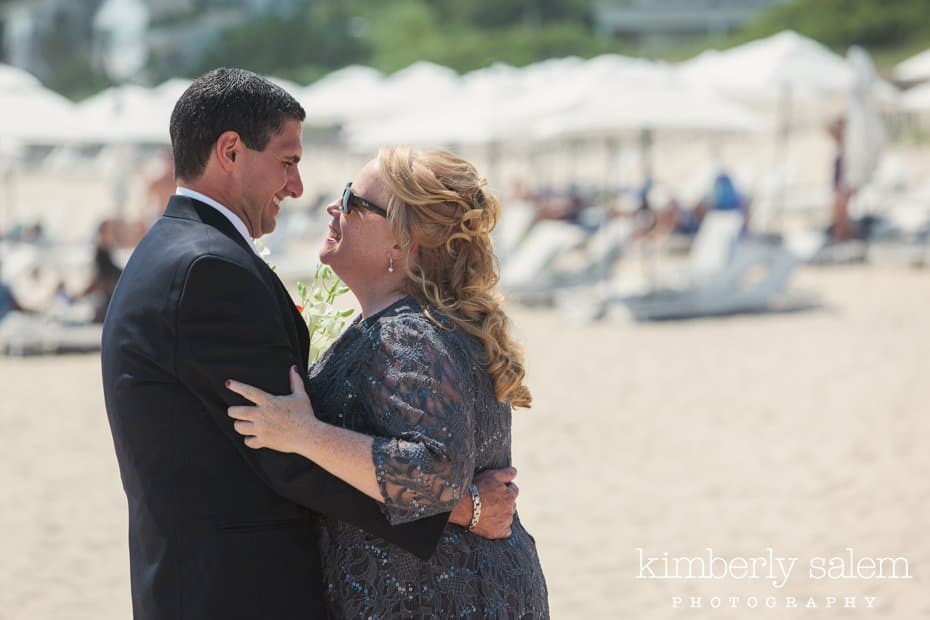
(426, 455)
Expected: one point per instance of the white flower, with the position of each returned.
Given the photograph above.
(324, 321)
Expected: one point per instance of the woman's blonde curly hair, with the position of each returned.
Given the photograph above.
(438, 205)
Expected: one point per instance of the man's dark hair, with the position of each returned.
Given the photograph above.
(226, 100)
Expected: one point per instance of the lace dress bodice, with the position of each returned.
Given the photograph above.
(422, 392)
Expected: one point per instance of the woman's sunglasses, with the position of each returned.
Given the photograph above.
(351, 200)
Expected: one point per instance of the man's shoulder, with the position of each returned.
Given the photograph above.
(175, 242)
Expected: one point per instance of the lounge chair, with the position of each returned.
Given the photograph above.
(529, 262)
(727, 276)
(601, 252)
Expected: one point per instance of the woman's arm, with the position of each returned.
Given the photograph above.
(413, 383)
(288, 424)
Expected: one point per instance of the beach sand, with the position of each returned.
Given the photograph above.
(804, 433)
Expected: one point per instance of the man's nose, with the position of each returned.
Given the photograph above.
(295, 186)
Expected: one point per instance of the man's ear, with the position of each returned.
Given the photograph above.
(227, 149)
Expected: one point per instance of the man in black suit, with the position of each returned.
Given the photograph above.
(217, 530)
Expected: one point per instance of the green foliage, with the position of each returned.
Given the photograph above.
(324, 35)
(329, 34)
(308, 42)
(874, 24)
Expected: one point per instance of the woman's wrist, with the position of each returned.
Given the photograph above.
(475, 507)
(461, 514)
(308, 437)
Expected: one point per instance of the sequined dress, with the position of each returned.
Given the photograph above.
(419, 390)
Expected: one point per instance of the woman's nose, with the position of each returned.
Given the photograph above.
(332, 209)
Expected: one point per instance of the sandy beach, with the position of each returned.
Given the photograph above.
(796, 435)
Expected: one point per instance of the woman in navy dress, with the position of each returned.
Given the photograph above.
(415, 397)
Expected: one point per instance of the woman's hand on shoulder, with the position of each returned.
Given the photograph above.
(276, 422)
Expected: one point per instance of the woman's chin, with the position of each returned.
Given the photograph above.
(327, 256)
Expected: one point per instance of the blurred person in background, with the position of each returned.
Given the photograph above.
(106, 272)
(8, 302)
(842, 227)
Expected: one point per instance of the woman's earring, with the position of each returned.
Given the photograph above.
(391, 265)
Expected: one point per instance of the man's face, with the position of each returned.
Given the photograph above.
(267, 177)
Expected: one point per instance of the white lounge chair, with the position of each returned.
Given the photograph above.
(728, 276)
(601, 252)
(515, 221)
(546, 241)
(28, 334)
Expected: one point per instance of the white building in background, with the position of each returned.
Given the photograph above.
(652, 22)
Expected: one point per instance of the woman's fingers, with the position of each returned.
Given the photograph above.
(297, 383)
(247, 391)
(243, 413)
(244, 427)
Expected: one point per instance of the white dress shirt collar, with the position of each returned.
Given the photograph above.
(229, 215)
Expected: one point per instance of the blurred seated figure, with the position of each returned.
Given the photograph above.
(27, 233)
(106, 272)
(645, 217)
(559, 206)
(550, 204)
(674, 219)
(8, 302)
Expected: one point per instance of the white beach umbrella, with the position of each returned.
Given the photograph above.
(546, 74)
(622, 106)
(37, 115)
(760, 70)
(865, 136)
(475, 110)
(502, 103)
(914, 69)
(292, 87)
(13, 78)
(917, 99)
(171, 90)
(127, 114)
(453, 122)
(343, 95)
(418, 85)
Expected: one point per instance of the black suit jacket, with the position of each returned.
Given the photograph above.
(216, 529)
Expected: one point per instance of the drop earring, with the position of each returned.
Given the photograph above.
(391, 265)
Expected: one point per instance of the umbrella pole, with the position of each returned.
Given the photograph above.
(650, 253)
(494, 164)
(612, 148)
(8, 204)
(780, 198)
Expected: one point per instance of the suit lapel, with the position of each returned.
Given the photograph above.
(300, 327)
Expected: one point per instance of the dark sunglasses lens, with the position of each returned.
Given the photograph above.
(346, 200)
